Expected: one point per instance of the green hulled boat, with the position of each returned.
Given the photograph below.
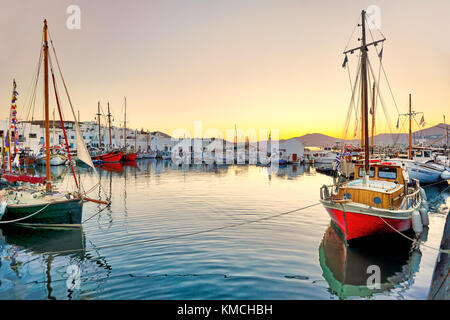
(45, 206)
(57, 213)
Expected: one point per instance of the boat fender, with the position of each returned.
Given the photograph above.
(414, 261)
(445, 175)
(3, 205)
(424, 216)
(417, 222)
(423, 194)
(326, 192)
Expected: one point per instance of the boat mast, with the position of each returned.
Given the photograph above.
(109, 126)
(410, 131)
(446, 129)
(99, 127)
(47, 129)
(373, 118)
(364, 89)
(54, 144)
(125, 125)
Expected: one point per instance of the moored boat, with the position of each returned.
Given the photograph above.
(129, 156)
(43, 205)
(113, 156)
(380, 198)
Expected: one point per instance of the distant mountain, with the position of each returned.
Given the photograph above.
(316, 139)
(428, 134)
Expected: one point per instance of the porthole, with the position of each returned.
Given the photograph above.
(377, 200)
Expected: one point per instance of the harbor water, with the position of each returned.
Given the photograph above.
(210, 232)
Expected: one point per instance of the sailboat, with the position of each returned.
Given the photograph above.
(108, 155)
(379, 199)
(425, 170)
(45, 205)
(127, 156)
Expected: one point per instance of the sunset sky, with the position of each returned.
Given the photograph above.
(253, 63)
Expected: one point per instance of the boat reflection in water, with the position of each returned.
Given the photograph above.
(57, 248)
(45, 240)
(112, 167)
(349, 271)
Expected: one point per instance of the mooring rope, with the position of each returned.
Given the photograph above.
(413, 240)
(184, 234)
(29, 216)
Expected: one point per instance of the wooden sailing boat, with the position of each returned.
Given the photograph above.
(46, 206)
(127, 156)
(379, 198)
(110, 155)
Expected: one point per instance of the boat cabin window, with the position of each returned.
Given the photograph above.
(371, 172)
(387, 173)
(427, 154)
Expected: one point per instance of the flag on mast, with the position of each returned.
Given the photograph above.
(422, 122)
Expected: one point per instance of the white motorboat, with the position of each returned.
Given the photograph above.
(426, 172)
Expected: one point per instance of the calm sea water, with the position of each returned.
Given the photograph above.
(200, 232)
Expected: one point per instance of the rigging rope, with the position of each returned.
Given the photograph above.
(185, 234)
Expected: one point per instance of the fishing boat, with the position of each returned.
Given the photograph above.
(44, 204)
(57, 156)
(421, 164)
(109, 155)
(126, 155)
(379, 199)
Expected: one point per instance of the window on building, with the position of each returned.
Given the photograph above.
(32, 135)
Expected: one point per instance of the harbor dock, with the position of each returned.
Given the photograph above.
(439, 289)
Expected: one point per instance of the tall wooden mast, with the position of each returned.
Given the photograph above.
(46, 112)
(364, 95)
(125, 125)
(410, 130)
(364, 88)
(99, 126)
(373, 119)
(109, 127)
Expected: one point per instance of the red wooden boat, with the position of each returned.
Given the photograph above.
(129, 156)
(385, 203)
(380, 198)
(109, 157)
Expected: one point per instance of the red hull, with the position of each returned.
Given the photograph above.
(363, 225)
(112, 167)
(129, 156)
(109, 157)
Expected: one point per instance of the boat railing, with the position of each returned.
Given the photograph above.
(328, 192)
(412, 199)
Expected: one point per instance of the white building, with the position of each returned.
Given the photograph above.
(32, 136)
